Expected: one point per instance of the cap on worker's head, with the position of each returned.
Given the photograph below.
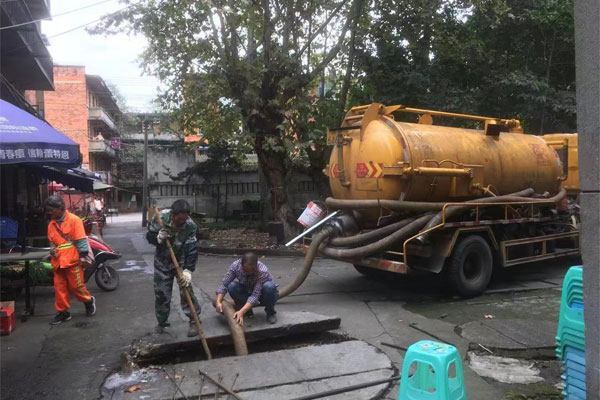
(180, 206)
(55, 201)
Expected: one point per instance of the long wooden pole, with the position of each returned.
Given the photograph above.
(186, 291)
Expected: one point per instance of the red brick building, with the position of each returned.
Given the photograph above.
(83, 108)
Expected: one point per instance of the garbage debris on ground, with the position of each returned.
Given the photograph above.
(244, 238)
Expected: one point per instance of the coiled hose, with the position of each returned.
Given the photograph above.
(408, 229)
(312, 252)
(516, 197)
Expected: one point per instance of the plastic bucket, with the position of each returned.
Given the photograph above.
(311, 215)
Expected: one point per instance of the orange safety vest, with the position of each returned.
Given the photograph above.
(67, 254)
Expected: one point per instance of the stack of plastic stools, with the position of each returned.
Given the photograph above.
(436, 373)
(570, 336)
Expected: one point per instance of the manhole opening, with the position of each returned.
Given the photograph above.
(190, 351)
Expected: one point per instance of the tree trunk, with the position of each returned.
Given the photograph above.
(276, 174)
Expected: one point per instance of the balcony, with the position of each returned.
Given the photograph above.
(102, 146)
(100, 115)
(25, 61)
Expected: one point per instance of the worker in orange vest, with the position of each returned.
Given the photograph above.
(68, 248)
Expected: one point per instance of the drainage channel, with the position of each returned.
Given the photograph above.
(190, 351)
(294, 360)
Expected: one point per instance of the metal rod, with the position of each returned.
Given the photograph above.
(394, 346)
(201, 387)
(347, 389)
(220, 385)
(312, 228)
(175, 383)
(233, 384)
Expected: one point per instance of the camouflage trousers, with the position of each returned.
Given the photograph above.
(163, 289)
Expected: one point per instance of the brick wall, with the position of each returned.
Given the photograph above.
(66, 107)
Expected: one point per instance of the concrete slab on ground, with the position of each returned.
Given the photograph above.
(511, 334)
(272, 375)
(217, 332)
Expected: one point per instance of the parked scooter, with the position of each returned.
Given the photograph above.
(106, 276)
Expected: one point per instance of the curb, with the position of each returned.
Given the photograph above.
(260, 252)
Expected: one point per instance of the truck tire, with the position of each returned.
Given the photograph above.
(470, 266)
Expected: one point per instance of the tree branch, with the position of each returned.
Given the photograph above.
(335, 49)
(348, 77)
(287, 27)
(321, 28)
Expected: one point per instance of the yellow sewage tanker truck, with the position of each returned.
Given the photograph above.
(418, 196)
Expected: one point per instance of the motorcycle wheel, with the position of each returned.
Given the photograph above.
(106, 278)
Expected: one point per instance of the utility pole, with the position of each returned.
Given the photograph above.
(145, 184)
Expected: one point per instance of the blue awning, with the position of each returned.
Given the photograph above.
(27, 139)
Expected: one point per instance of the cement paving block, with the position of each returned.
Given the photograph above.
(478, 332)
(304, 388)
(216, 331)
(297, 371)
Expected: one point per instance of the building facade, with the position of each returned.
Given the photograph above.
(83, 108)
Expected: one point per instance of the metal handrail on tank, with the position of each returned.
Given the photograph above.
(513, 124)
(506, 206)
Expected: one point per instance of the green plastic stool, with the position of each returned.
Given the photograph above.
(432, 378)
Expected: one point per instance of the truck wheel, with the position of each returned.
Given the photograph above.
(470, 266)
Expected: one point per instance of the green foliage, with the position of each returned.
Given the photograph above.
(506, 58)
(236, 70)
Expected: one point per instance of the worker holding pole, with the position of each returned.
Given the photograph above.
(176, 226)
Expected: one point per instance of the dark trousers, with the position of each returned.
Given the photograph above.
(268, 296)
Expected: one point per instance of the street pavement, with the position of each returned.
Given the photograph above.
(71, 360)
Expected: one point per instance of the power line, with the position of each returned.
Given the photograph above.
(77, 27)
(54, 16)
(91, 22)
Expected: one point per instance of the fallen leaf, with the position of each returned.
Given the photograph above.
(488, 316)
(133, 388)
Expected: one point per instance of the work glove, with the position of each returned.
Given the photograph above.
(186, 278)
(163, 235)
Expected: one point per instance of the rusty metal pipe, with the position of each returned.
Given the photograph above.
(458, 172)
(415, 206)
(394, 205)
(516, 197)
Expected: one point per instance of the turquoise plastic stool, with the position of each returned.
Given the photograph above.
(431, 379)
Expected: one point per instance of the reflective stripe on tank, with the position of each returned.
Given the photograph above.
(65, 246)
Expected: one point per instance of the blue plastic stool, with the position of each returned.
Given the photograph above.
(431, 380)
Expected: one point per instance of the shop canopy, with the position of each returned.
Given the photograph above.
(66, 177)
(27, 139)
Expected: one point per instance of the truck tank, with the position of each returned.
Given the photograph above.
(376, 157)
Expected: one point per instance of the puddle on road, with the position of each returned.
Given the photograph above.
(132, 266)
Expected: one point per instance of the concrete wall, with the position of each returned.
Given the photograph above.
(165, 162)
(66, 107)
(587, 50)
(210, 197)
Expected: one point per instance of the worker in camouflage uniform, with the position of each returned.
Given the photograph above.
(179, 228)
